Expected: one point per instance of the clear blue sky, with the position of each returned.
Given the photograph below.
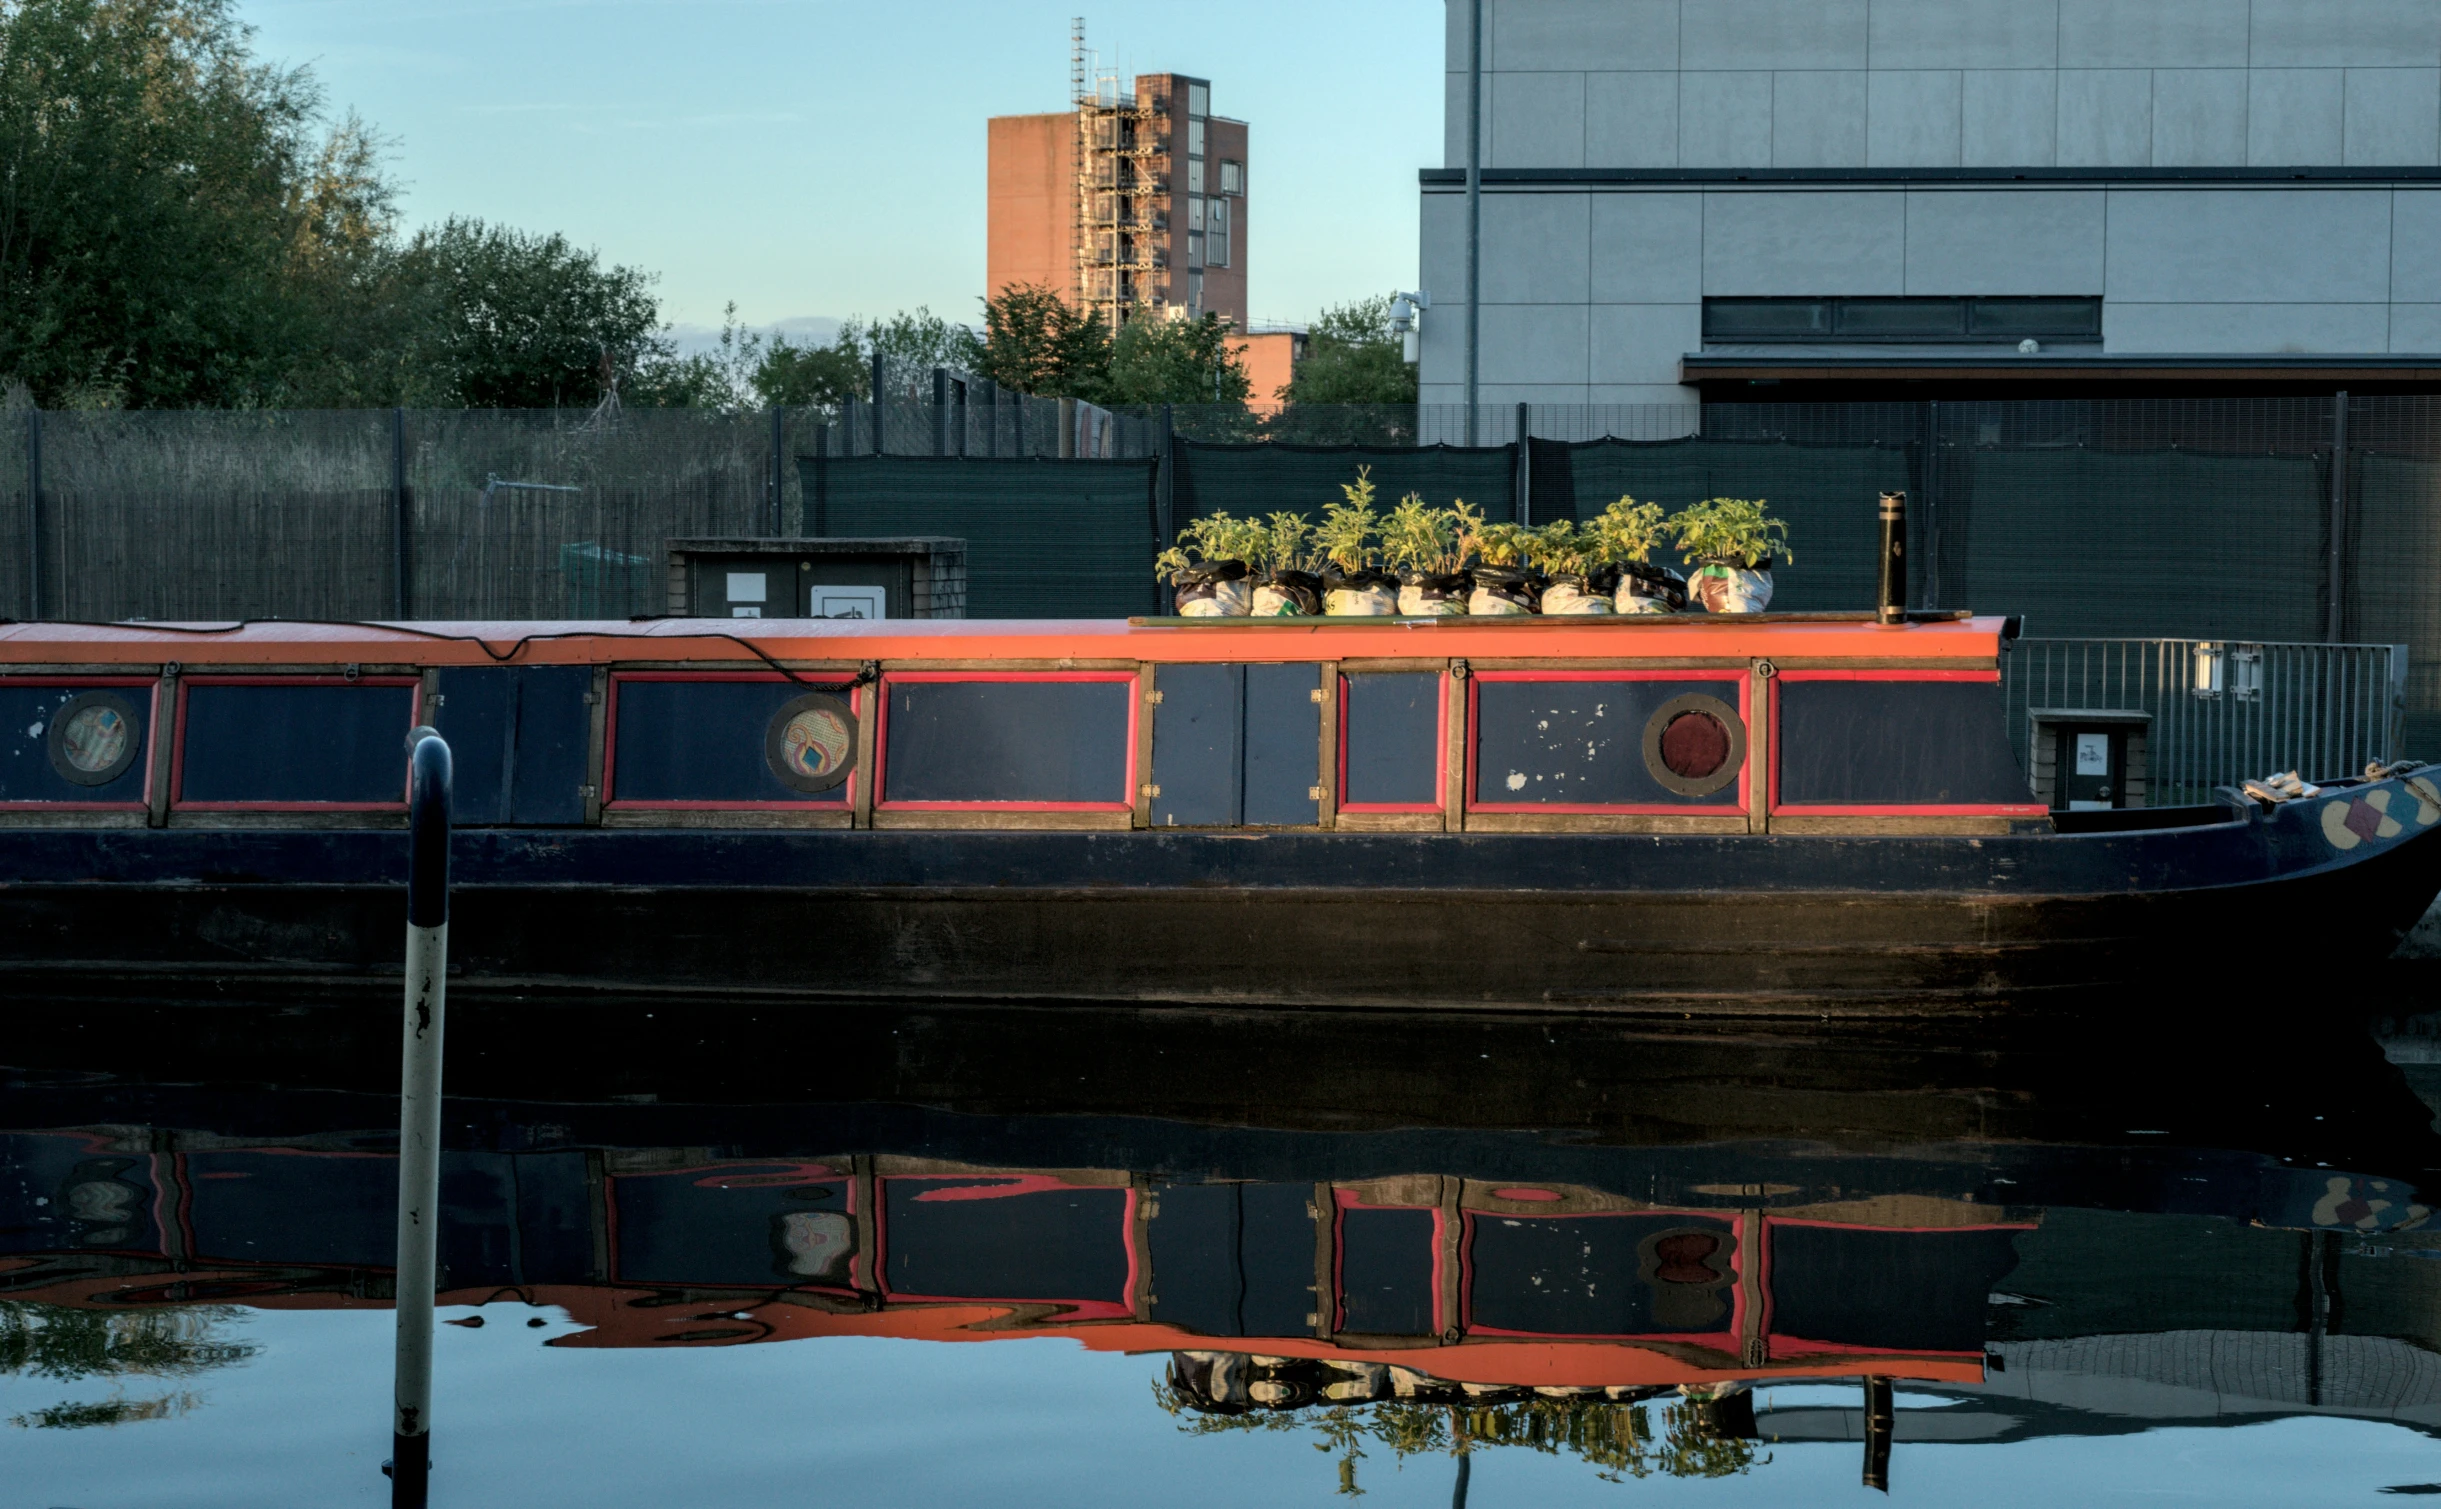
(820, 158)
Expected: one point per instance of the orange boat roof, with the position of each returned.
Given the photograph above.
(712, 640)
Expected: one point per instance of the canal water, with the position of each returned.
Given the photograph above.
(698, 1252)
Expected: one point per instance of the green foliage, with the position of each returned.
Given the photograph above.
(1733, 529)
(1349, 527)
(1156, 360)
(911, 345)
(1418, 537)
(1352, 356)
(1628, 531)
(1036, 342)
(1214, 537)
(1559, 547)
(1287, 544)
(813, 376)
(1499, 544)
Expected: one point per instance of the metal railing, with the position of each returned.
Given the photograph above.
(2222, 710)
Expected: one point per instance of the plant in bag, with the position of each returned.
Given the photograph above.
(1283, 558)
(1504, 585)
(1579, 582)
(1420, 542)
(1350, 585)
(1629, 532)
(1733, 543)
(1207, 567)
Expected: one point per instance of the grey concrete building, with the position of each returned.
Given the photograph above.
(1684, 195)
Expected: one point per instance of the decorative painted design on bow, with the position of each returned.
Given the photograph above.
(2351, 820)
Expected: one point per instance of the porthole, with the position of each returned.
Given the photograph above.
(1695, 745)
(811, 742)
(95, 738)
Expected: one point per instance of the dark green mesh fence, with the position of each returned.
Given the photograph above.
(2392, 593)
(1044, 539)
(1247, 480)
(2162, 544)
(1829, 494)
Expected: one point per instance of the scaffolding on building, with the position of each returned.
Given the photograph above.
(1122, 167)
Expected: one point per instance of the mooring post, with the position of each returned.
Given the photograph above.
(419, 1112)
(1893, 595)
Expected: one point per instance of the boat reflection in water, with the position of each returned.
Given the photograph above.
(1425, 1238)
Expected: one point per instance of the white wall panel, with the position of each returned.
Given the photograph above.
(2131, 329)
(2106, 118)
(2393, 117)
(1798, 242)
(1724, 120)
(1564, 35)
(1913, 118)
(1534, 248)
(2294, 116)
(1641, 343)
(1538, 120)
(1965, 33)
(1817, 119)
(2004, 241)
(1631, 120)
(1647, 248)
(2415, 246)
(2345, 33)
(2153, 33)
(2416, 328)
(1740, 34)
(2269, 246)
(2199, 117)
(1532, 343)
(2008, 119)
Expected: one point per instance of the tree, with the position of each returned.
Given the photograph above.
(814, 375)
(1156, 360)
(911, 345)
(1036, 342)
(1353, 356)
(503, 319)
(162, 199)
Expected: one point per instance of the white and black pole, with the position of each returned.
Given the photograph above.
(419, 1112)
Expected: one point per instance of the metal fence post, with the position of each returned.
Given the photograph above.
(879, 376)
(1169, 477)
(402, 531)
(33, 513)
(1521, 478)
(940, 411)
(779, 446)
(1474, 202)
(419, 1114)
(2335, 561)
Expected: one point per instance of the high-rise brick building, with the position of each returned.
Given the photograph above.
(1132, 202)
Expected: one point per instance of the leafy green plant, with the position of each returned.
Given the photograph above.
(1284, 542)
(1499, 544)
(1349, 528)
(1214, 537)
(1559, 548)
(1627, 532)
(1730, 529)
(1419, 537)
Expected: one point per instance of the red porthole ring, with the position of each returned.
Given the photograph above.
(1695, 745)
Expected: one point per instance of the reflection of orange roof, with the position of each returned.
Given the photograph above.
(645, 1318)
(708, 640)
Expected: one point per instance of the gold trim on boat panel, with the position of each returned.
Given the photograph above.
(1328, 784)
(1454, 761)
(597, 743)
(1060, 822)
(1760, 750)
(1148, 698)
(1602, 822)
(1785, 821)
(1390, 822)
(868, 705)
(807, 816)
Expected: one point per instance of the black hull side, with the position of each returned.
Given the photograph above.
(1821, 927)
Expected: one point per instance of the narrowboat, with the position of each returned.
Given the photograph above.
(1683, 815)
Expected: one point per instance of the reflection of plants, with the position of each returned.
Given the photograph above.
(49, 1341)
(1620, 1439)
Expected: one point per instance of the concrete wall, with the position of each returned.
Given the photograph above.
(1592, 289)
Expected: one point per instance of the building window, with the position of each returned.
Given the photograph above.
(1195, 248)
(1195, 175)
(1233, 177)
(1195, 137)
(1195, 292)
(1195, 214)
(1216, 244)
(1961, 322)
(1199, 100)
